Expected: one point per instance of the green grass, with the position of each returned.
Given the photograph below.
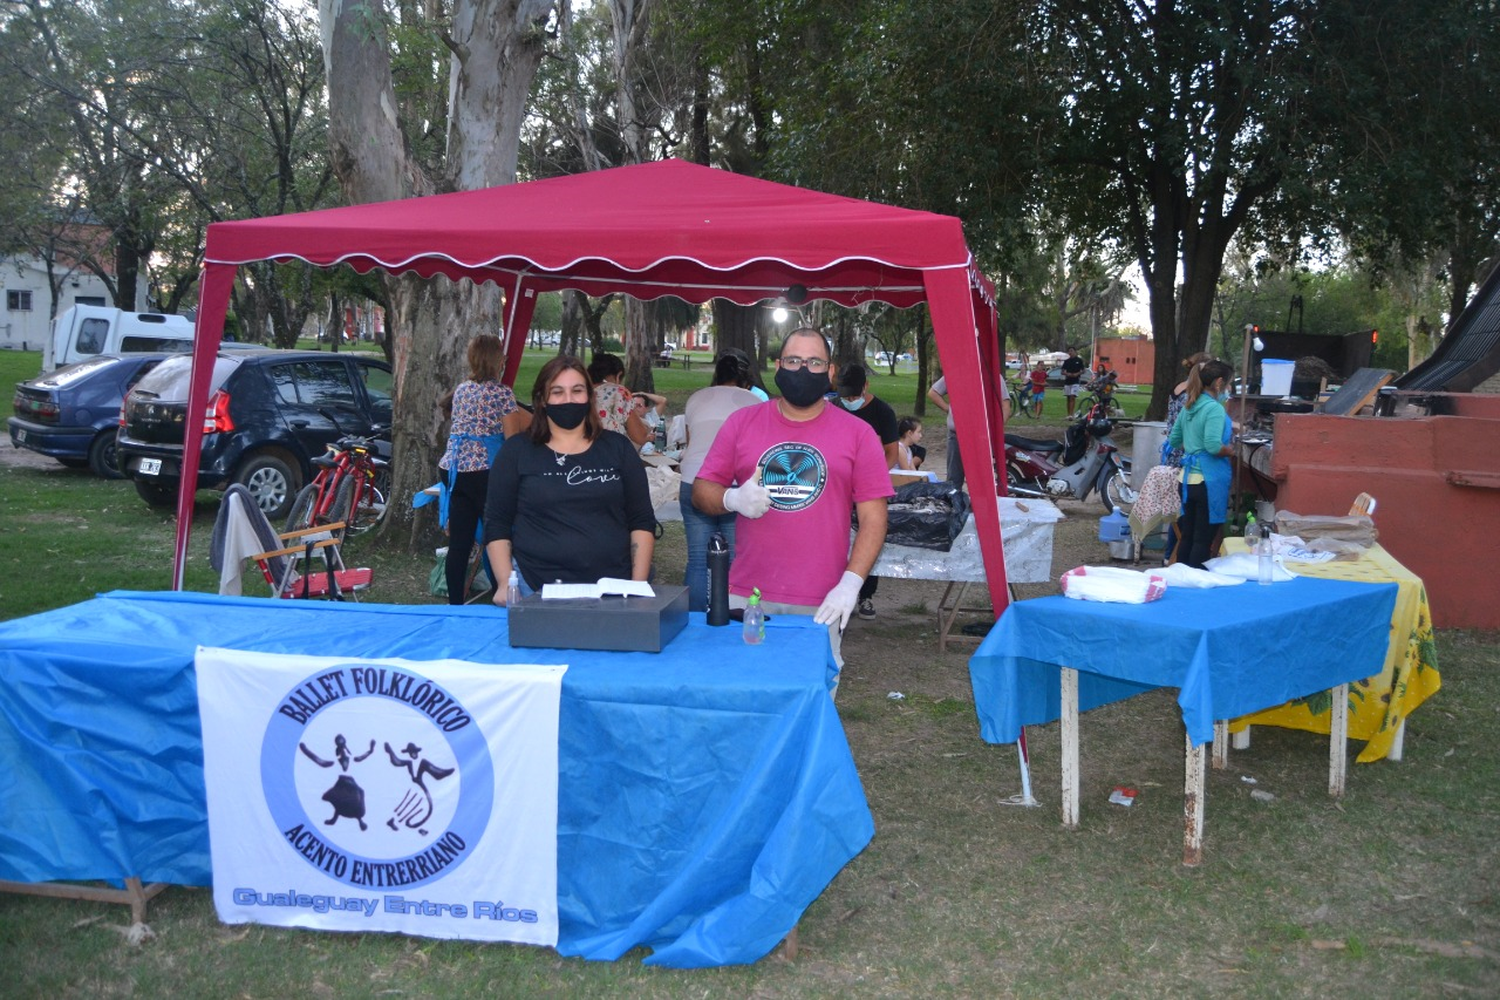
(1392, 891)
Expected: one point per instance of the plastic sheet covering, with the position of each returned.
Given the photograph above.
(926, 515)
(1026, 528)
(706, 794)
(1230, 651)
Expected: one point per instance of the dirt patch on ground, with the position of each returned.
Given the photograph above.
(21, 458)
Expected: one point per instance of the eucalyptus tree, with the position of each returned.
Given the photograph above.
(407, 118)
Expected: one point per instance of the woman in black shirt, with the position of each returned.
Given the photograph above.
(568, 500)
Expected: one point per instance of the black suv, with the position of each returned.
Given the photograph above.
(269, 413)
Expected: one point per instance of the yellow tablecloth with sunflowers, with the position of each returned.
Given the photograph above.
(1378, 705)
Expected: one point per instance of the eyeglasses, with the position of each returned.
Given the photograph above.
(814, 365)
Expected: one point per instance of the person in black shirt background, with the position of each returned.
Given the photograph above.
(568, 500)
(1072, 370)
(856, 397)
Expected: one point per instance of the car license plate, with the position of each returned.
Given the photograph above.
(150, 466)
(20, 436)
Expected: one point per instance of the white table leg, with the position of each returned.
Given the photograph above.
(1221, 744)
(1194, 791)
(1069, 747)
(1338, 737)
(1398, 744)
(1241, 739)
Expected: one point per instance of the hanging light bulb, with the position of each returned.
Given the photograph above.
(779, 314)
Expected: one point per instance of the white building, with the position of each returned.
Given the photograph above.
(26, 307)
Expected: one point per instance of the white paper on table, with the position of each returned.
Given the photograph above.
(606, 585)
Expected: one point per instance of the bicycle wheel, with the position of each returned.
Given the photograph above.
(343, 508)
(370, 510)
(302, 508)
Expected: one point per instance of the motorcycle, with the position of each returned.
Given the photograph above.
(1087, 461)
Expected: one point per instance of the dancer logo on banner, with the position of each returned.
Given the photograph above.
(380, 780)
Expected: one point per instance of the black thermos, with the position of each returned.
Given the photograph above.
(718, 580)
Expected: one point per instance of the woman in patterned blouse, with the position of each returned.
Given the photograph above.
(612, 400)
(484, 415)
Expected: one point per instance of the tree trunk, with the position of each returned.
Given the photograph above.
(739, 326)
(639, 354)
(570, 340)
(496, 47)
(924, 362)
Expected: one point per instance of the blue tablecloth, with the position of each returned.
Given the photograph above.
(1231, 651)
(706, 794)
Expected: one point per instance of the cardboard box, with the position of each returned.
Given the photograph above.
(617, 624)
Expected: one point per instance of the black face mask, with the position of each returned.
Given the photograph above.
(567, 415)
(802, 388)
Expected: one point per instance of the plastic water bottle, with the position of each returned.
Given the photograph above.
(1252, 533)
(1263, 556)
(513, 590)
(755, 620)
(718, 580)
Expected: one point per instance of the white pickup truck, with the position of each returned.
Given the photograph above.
(81, 332)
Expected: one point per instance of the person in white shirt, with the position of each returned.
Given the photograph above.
(705, 413)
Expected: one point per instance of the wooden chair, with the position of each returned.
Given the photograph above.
(242, 532)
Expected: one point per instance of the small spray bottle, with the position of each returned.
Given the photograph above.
(755, 620)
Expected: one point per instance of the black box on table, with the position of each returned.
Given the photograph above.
(617, 624)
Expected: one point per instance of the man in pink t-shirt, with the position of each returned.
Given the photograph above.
(791, 469)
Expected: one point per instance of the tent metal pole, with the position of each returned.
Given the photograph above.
(1024, 756)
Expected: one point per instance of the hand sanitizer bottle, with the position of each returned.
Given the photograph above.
(513, 590)
(755, 620)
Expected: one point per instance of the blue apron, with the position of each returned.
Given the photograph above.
(1216, 476)
(492, 443)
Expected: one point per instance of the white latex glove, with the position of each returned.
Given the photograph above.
(750, 500)
(839, 604)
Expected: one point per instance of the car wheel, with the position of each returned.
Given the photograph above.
(271, 482)
(157, 493)
(102, 457)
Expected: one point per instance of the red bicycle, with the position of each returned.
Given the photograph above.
(352, 485)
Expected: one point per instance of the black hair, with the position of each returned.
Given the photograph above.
(605, 366)
(732, 368)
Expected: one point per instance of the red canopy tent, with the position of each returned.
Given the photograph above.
(662, 228)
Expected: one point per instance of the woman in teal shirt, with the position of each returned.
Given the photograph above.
(1203, 432)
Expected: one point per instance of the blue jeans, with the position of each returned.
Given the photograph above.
(699, 528)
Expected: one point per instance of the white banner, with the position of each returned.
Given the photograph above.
(382, 795)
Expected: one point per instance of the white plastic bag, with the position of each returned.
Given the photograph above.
(1183, 575)
(1246, 566)
(1110, 584)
